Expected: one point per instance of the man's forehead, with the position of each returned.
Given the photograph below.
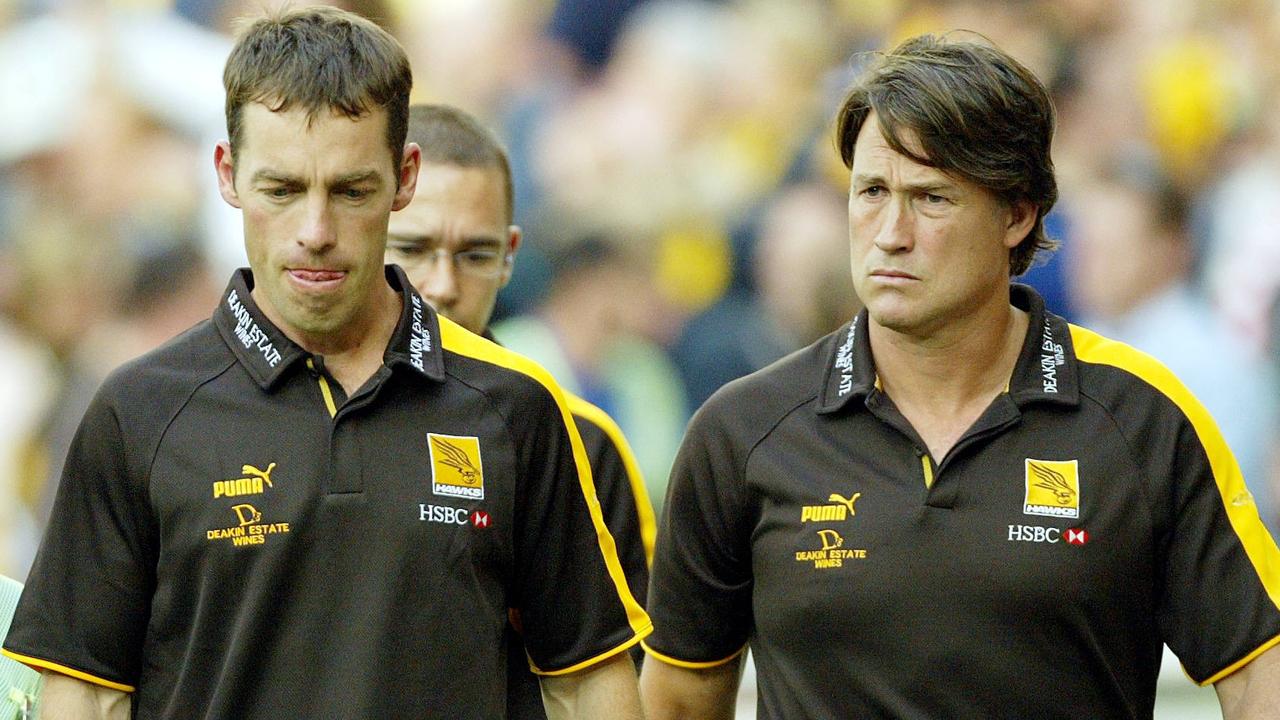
(288, 142)
(874, 155)
(469, 178)
(299, 123)
(477, 193)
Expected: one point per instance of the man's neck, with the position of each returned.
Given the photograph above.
(353, 355)
(944, 382)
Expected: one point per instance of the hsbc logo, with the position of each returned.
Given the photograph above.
(454, 516)
(1051, 535)
(444, 514)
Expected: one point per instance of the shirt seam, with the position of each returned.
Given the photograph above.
(1131, 454)
(154, 453)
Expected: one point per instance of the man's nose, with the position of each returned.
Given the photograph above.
(440, 281)
(317, 230)
(896, 227)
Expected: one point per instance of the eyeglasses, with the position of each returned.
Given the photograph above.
(476, 262)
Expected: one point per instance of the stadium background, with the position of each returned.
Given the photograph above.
(677, 183)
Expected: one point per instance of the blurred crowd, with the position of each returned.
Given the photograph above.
(682, 202)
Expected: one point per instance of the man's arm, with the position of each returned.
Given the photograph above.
(1253, 691)
(606, 690)
(674, 693)
(66, 698)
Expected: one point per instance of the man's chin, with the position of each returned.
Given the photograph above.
(893, 316)
(316, 322)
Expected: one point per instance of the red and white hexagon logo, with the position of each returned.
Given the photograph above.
(1076, 536)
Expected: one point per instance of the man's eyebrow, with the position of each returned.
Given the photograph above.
(925, 186)
(468, 243)
(272, 176)
(869, 179)
(476, 241)
(355, 178)
(416, 238)
(352, 178)
(931, 186)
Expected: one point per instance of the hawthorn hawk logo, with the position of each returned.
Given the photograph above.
(456, 468)
(1052, 488)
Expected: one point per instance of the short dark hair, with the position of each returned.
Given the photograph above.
(452, 136)
(976, 112)
(319, 58)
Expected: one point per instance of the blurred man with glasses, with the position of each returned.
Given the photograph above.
(455, 241)
(457, 244)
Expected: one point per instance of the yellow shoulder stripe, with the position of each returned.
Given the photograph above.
(691, 665)
(455, 338)
(1258, 544)
(644, 508)
(37, 664)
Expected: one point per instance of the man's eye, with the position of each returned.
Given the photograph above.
(934, 199)
(407, 249)
(355, 193)
(478, 258)
(280, 192)
(873, 191)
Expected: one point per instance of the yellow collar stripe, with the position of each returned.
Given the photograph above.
(324, 390)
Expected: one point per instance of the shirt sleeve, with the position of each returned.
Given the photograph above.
(623, 496)
(1220, 604)
(700, 587)
(570, 588)
(86, 604)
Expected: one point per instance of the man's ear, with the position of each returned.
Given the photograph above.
(409, 166)
(514, 236)
(223, 165)
(1022, 217)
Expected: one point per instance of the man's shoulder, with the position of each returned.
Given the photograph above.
(602, 437)
(502, 374)
(137, 400)
(757, 402)
(184, 361)
(1134, 388)
(1111, 370)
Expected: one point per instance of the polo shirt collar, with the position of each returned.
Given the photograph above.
(416, 340)
(267, 353)
(850, 371)
(1046, 370)
(264, 351)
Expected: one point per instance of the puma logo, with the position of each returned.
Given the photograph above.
(847, 502)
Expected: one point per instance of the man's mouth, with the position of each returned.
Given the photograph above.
(317, 278)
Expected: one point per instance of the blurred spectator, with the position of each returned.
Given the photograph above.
(590, 333)
(589, 28)
(803, 291)
(28, 385)
(1242, 270)
(1131, 266)
(162, 287)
